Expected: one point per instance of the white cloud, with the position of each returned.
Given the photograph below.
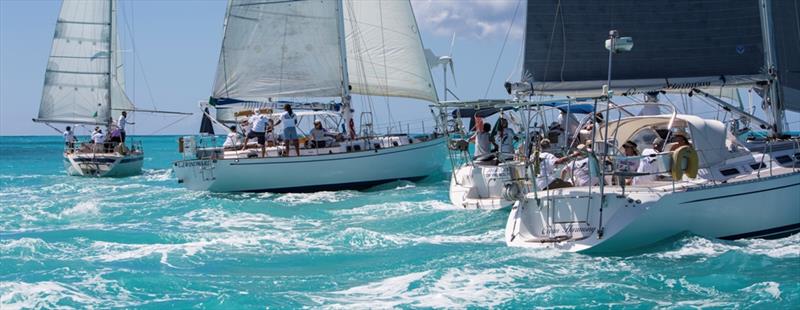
(470, 18)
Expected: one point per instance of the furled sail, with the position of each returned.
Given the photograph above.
(678, 44)
(76, 85)
(786, 25)
(278, 48)
(385, 55)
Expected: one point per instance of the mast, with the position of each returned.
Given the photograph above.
(111, 37)
(773, 96)
(348, 116)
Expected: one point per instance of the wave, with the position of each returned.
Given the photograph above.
(453, 288)
(294, 199)
(695, 246)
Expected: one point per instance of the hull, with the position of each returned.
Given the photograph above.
(103, 165)
(569, 218)
(351, 170)
(475, 186)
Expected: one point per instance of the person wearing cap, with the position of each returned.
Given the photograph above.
(232, 140)
(547, 178)
(580, 169)
(681, 139)
(289, 121)
(319, 135)
(258, 126)
(647, 163)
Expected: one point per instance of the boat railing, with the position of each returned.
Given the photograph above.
(380, 136)
(108, 147)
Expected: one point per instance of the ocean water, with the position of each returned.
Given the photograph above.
(145, 242)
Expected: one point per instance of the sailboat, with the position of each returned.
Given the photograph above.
(705, 182)
(84, 85)
(297, 53)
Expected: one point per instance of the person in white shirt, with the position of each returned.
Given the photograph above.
(319, 135)
(505, 137)
(99, 139)
(289, 120)
(547, 178)
(69, 138)
(647, 163)
(580, 169)
(258, 124)
(232, 140)
(121, 122)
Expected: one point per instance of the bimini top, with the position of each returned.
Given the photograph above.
(709, 137)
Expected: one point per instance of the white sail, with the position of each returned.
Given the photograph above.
(76, 86)
(384, 51)
(278, 48)
(119, 99)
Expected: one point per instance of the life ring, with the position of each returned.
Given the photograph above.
(688, 154)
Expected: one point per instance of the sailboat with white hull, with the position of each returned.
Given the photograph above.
(704, 182)
(85, 85)
(285, 53)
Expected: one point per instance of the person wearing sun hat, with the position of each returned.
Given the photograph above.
(681, 139)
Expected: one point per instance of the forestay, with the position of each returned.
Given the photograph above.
(384, 51)
(277, 48)
(680, 44)
(76, 86)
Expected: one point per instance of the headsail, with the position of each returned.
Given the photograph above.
(679, 44)
(76, 86)
(278, 48)
(385, 56)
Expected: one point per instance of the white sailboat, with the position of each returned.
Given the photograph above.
(84, 84)
(276, 53)
(738, 193)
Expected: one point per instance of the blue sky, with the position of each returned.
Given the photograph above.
(178, 42)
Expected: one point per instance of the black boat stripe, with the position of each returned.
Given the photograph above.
(740, 194)
(765, 232)
(337, 186)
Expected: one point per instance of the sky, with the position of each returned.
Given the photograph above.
(178, 42)
(177, 47)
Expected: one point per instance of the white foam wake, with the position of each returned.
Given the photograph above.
(455, 288)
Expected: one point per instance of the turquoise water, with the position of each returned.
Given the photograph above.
(145, 242)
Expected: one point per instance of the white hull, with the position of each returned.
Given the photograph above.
(569, 218)
(347, 170)
(103, 164)
(477, 186)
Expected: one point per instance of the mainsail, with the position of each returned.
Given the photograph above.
(385, 55)
(278, 49)
(76, 86)
(678, 44)
(786, 23)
